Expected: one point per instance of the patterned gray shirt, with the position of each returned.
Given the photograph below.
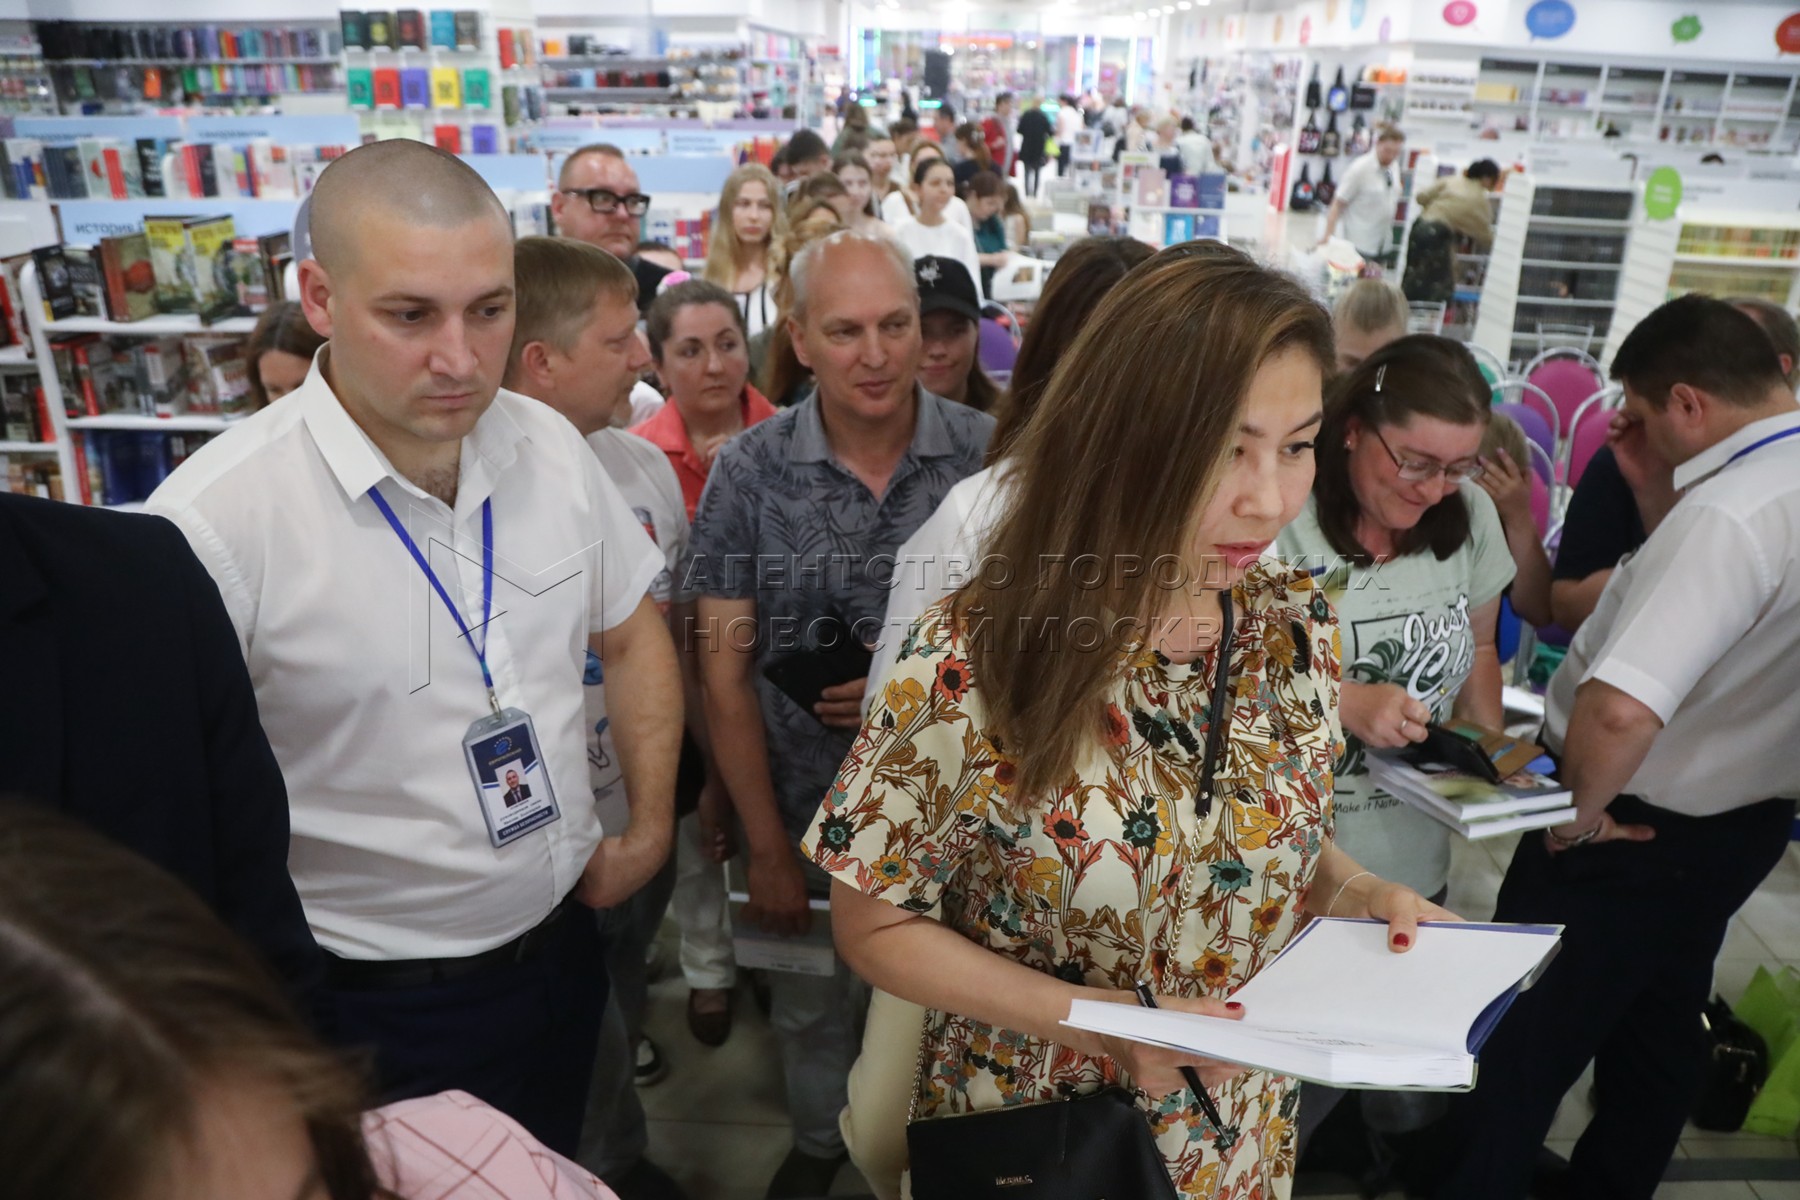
(782, 522)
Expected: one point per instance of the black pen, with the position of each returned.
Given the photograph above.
(1148, 999)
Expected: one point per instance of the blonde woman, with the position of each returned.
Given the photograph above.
(745, 255)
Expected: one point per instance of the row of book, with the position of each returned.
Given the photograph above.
(185, 43)
(37, 475)
(685, 236)
(129, 169)
(412, 29)
(23, 415)
(419, 87)
(196, 374)
(175, 86)
(176, 265)
(121, 467)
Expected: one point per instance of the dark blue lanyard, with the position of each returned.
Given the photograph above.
(487, 582)
(1755, 446)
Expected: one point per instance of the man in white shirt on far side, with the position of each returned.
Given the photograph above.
(1675, 715)
(1368, 199)
(417, 563)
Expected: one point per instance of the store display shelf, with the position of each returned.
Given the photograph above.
(1443, 87)
(1644, 109)
(616, 92)
(1438, 114)
(27, 447)
(412, 50)
(151, 326)
(1573, 266)
(1154, 208)
(1621, 227)
(194, 424)
(1566, 302)
(192, 62)
(1516, 104)
(1739, 260)
(1756, 118)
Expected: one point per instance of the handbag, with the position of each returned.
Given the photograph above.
(1736, 1067)
(1092, 1147)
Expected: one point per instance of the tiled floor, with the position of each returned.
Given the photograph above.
(718, 1124)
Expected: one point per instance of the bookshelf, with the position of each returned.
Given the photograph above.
(467, 80)
(127, 67)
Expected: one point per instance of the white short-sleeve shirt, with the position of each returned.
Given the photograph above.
(1702, 626)
(363, 683)
(1370, 194)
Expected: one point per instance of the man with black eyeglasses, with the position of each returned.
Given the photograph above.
(597, 201)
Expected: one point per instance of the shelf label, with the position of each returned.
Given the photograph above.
(1662, 193)
(287, 130)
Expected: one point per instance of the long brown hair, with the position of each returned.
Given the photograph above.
(1080, 280)
(125, 999)
(723, 254)
(782, 370)
(1418, 376)
(1124, 454)
(284, 327)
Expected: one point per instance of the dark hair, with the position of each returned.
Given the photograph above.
(805, 146)
(944, 110)
(1078, 282)
(902, 126)
(659, 322)
(1003, 98)
(662, 246)
(856, 141)
(125, 1000)
(1484, 170)
(923, 167)
(986, 183)
(822, 186)
(1419, 376)
(284, 327)
(1704, 343)
(1187, 125)
(1779, 324)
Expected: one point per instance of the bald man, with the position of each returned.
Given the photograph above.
(417, 563)
(597, 201)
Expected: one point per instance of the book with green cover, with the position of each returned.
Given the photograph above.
(360, 83)
(476, 93)
(172, 263)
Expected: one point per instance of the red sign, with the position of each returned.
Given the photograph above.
(1459, 12)
(1787, 34)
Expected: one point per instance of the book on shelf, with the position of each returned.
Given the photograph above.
(85, 281)
(54, 284)
(23, 159)
(218, 375)
(509, 54)
(20, 410)
(129, 278)
(484, 139)
(172, 263)
(448, 138)
(415, 88)
(446, 87)
(468, 29)
(210, 242)
(381, 35)
(355, 26)
(387, 87)
(409, 28)
(359, 87)
(443, 29)
(475, 90)
(1338, 1007)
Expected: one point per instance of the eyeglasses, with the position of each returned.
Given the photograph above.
(1418, 470)
(607, 202)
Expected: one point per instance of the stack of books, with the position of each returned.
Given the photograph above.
(1469, 804)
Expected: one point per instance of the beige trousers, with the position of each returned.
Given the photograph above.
(881, 1082)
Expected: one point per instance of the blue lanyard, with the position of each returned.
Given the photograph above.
(487, 582)
(1755, 446)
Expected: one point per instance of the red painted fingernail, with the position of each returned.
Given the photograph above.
(1234, 1006)
(1400, 939)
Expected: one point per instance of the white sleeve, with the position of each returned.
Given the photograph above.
(622, 561)
(1696, 588)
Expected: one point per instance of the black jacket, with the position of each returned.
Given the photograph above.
(127, 705)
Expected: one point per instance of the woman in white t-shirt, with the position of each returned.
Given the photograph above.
(898, 205)
(745, 255)
(931, 231)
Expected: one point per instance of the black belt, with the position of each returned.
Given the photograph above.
(390, 975)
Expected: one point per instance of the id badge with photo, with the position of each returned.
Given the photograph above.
(512, 784)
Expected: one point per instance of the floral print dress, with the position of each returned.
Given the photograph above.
(1084, 884)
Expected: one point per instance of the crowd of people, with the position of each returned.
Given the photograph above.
(427, 692)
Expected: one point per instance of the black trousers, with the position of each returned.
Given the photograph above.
(520, 1037)
(1645, 922)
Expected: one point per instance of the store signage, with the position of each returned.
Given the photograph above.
(1686, 29)
(1787, 34)
(1549, 18)
(1358, 10)
(1662, 193)
(1459, 13)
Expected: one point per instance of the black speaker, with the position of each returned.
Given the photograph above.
(937, 75)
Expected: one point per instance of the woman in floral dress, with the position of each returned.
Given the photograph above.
(1019, 824)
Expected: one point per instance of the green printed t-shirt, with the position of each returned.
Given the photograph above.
(1404, 621)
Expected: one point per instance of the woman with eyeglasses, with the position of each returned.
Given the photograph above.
(1411, 552)
(744, 256)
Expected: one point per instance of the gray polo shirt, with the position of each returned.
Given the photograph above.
(782, 522)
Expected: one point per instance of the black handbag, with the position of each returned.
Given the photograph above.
(1092, 1147)
(1736, 1068)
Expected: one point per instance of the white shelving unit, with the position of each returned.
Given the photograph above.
(1547, 267)
(1669, 258)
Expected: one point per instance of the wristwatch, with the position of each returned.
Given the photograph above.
(1580, 839)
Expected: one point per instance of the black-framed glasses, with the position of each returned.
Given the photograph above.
(606, 202)
(1418, 470)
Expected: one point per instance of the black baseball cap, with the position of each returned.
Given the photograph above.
(945, 286)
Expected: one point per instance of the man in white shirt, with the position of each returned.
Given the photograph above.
(1367, 199)
(1675, 715)
(417, 563)
(1195, 149)
(576, 347)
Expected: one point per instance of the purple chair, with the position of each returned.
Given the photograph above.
(1534, 425)
(1517, 393)
(997, 349)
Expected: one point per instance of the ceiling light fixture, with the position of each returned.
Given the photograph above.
(1168, 8)
(1183, 5)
